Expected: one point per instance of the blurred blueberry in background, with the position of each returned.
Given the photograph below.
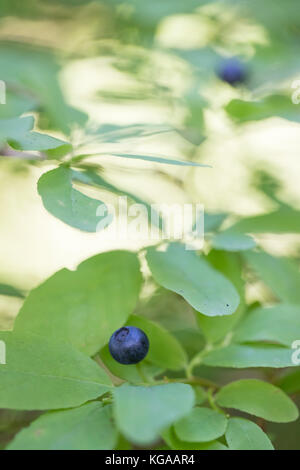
(232, 71)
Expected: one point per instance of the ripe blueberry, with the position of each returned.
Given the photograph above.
(232, 71)
(128, 345)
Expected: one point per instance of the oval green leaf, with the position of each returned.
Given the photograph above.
(233, 241)
(191, 276)
(259, 399)
(88, 427)
(175, 443)
(243, 434)
(141, 413)
(201, 425)
(84, 307)
(41, 375)
(69, 205)
(278, 324)
(256, 355)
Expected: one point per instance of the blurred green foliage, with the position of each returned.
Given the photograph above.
(88, 81)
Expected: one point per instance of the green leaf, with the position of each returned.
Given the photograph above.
(17, 132)
(15, 127)
(232, 241)
(67, 204)
(111, 133)
(11, 291)
(129, 372)
(84, 307)
(216, 328)
(91, 178)
(175, 443)
(40, 375)
(273, 105)
(259, 399)
(281, 275)
(88, 427)
(193, 123)
(290, 383)
(40, 142)
(34, 72)
(189, 275)
(283, 220)
(56, 153)
(276, 324)
(242, 434)
(156, 159)
(17, 104)
(201, 425)
(165, 351)
(212, 221)
(243, 356)
(142, 412)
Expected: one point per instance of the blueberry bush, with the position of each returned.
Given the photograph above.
(111, 344)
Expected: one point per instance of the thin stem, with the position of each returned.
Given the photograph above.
(141, 373)
(192, 381)
(197, 359)
(203, 382)
(213, 404)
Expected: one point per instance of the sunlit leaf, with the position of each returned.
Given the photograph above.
(212, 221)
(33, 71)
(283, 220)
(233, 241)
(17, 132)
(92, 178)
(68, 204)
(280, 274)
(191, 276)
(11, 291)
(157, 159)
(273, 105)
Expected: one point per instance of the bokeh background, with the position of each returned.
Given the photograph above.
(81, 66)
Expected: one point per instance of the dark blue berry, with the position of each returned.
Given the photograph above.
(232, 71)
(128, 345)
